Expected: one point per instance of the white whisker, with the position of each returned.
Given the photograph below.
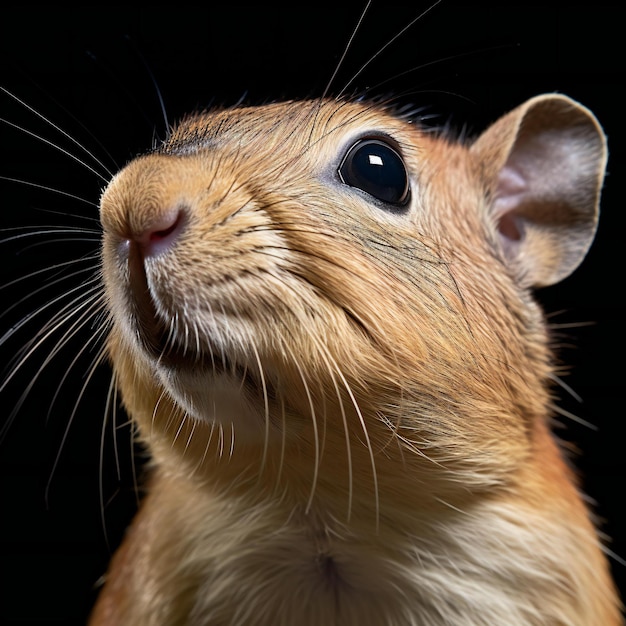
(180, 427)
(28, 318)
(52, 268)
(367, 440)
(98, 359)
(192, 430)
(325, 355)
(266, 409)
(385, 46)
(65, 134)
(206, 447)
(345, 52)
(232, 442)
(316, 437)
(107, 408)
(69, 334)
(220, 440)
(47, 331)
(65, 194)
(561, 383)
(573, 417)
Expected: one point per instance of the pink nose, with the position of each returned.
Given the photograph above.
(159, 236)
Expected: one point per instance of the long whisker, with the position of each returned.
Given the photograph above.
(50, 230)
(64, 133)
(155, 85)
(98, 360)
(191, 432)
(107, 409)
(65, 194)
(155, 410)
(179, 429)
(345, 52)
(48, 330)
(316, 436)
(573, 417)
(325, 355)
(28, 318)
(96, 300)
(365, 434)
(561, 383)
(437, 61)
(384, 47)
(266, 409)
(67, 153)
(207, 446)
(133, 434)
(52, 268)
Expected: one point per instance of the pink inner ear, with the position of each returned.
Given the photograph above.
(510, 192)
(509, 227)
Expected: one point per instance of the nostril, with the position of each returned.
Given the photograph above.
(161, 234)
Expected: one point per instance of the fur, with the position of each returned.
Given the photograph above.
(347, 406)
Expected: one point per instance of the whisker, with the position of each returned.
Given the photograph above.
(316, 437)
(325, 355)
(220, 439)
(47, 242)
(112, 393)
(98, 360)
(107, 408)
(573, 417)
(437, 61)
(60, 192)
(179, 429)
(192, 431)
(155, 84)
(133, 467)
(345, 52)
(52, 268)
(561, 383)
(89, 218)
(48, 330)
(266, 409)
(207, 446)
(232, 441)
(283, 443)
(28, 318)
(385, 46)
(67, 153)
(155, 411)
(71, 332)
(64, 133)
(367, 438)
(51, 230)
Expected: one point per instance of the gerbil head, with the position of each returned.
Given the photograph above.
(320, 291)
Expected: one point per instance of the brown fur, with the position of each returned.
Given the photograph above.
(347, 408)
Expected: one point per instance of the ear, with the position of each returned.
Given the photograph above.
(543, 166)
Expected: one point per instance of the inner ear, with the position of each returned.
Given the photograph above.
(543, 166)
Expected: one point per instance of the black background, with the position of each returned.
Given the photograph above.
(93, 70)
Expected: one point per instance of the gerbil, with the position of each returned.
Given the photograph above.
(321, 323)
(343, 380)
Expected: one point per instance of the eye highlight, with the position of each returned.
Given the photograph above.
(373, 166)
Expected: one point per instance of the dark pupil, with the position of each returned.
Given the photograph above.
(375, 167)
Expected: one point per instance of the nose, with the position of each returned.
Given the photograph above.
(147, 205)
(158, 235)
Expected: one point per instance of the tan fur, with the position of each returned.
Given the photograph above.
(352, 425)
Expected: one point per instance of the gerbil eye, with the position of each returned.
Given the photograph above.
(376, 168)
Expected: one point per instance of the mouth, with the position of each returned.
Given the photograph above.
(157, 338)
(162, 340)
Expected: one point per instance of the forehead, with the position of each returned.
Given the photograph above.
(292, 124)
